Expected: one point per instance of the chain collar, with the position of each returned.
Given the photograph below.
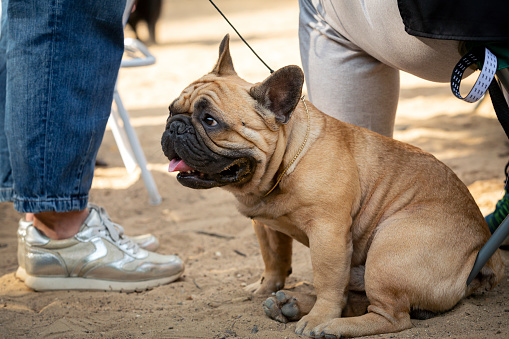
(280, 177)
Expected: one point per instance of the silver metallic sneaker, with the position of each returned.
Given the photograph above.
(99, 257)
(22, 231)
(147, 241)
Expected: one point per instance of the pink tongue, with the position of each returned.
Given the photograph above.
(178, 166)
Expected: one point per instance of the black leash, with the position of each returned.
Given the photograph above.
(240, 36)
(500, 105)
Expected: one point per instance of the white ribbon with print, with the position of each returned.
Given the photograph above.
(483, 81)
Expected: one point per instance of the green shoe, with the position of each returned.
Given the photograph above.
(495, 219)
(498, 215)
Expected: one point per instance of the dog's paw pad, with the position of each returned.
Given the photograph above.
(290, 309)
(282, 307)
(272, 309)
(282, 297)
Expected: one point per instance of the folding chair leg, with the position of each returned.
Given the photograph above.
(134, 148)
(122, 141)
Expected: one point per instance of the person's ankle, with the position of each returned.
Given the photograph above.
(29, 217)
(60, 225)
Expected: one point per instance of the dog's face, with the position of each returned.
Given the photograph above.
(223, 130)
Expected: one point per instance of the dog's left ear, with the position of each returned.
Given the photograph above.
(280, 92)
(224, 65)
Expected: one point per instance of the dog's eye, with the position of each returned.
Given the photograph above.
(209, 120)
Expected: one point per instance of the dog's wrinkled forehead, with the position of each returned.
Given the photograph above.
(185, 103)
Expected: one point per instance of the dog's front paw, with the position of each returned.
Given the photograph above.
(257, 288)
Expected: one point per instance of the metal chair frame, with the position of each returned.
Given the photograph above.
(136, 55)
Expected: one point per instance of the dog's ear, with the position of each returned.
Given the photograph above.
(224, 65)
(280, 92)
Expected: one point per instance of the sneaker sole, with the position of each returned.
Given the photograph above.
(21, 273)
(75, 283)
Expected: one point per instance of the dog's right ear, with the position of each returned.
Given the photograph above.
(224, 65)
(280, 92)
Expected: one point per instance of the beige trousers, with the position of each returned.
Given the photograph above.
(352, 52)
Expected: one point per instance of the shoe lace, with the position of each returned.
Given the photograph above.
(117, 232)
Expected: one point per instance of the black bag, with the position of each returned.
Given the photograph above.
(465, 20)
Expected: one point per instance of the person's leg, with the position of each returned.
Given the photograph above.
(351, 52)
(5, 162)
(62, 63)
(343, 80)
(68, 121)
(376, 28)
(60, 225)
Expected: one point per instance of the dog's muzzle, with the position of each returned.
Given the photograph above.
(203, 168)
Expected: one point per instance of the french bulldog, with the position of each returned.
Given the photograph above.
(390, 228)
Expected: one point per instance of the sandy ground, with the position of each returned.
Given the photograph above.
(218, 244)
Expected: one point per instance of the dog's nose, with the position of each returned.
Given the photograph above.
(179, 126)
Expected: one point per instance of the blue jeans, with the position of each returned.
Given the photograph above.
(59, 62)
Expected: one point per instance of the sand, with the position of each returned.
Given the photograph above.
(218, 245)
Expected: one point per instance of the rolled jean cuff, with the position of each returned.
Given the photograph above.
(48, 205)
(6, 194)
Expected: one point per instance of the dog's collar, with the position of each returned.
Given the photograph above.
(298, 152)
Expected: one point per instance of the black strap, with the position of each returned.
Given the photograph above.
(500, 105)
(502, 111)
